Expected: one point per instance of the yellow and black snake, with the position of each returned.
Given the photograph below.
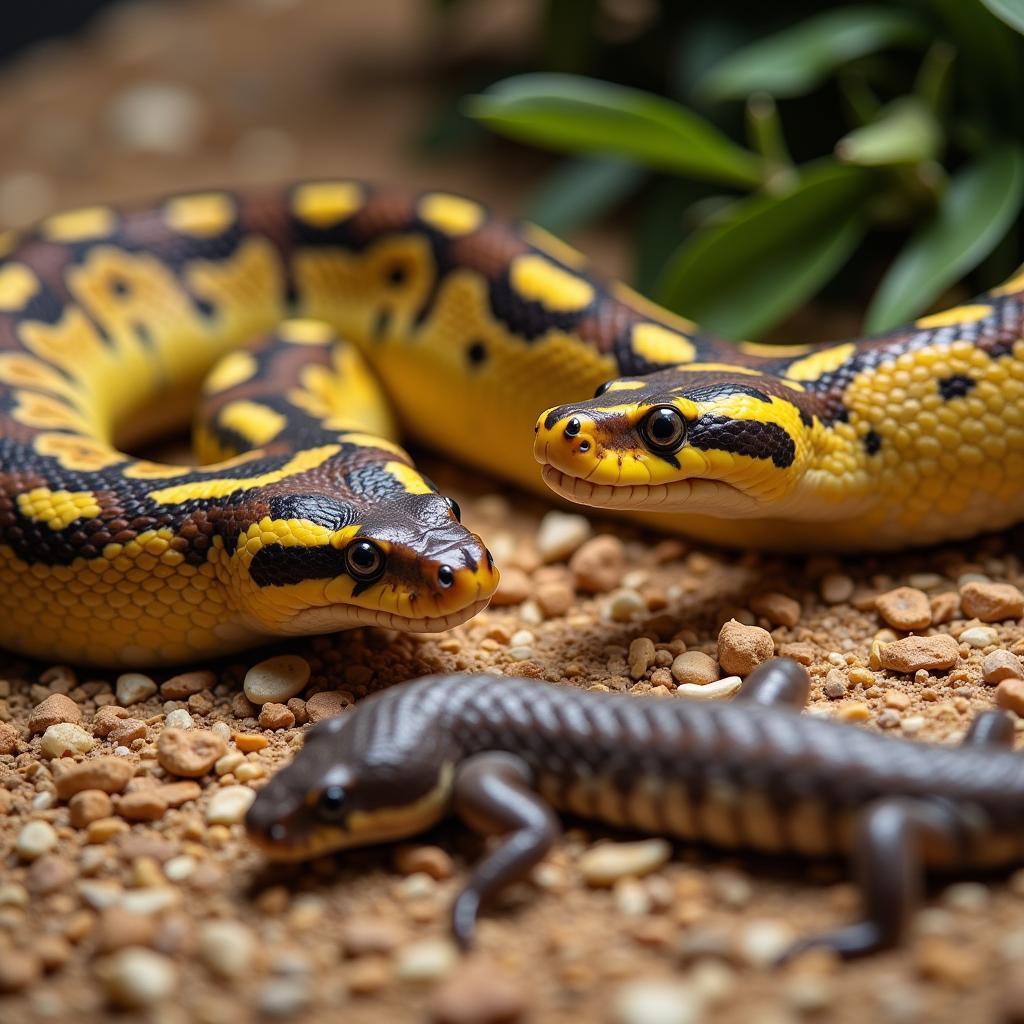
(313, 519)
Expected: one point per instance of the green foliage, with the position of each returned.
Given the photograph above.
(901, 117)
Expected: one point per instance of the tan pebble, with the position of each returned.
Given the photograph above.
(104, 829)
(560, 534)
(230, 761)
(19, 970)
(242, 707)
(183, 686)
(65, 738)
(905, 608)
(142, 805)
(718, 690)
(368, 974)
(9, 738)
(88, 806)
(835, 684)
(228, 805)
(778, 609)
(55, 709)
(53, 952)
(426, 960)
(48, 874)
(513, 588)
(249, 770)
(801, 652)
(945, 607)
(946, 962)
(836, 588)
(431, 860)
(135, 978)
(1010, 695)
(107, 719)
(599, 564)
(554, 599)
(190, 753)
(854, 711)
(478, 992)
(228, 948)
(896, 699)
(35, 839)
(247, 742)
(363, 936)
(919, 652)
(127, 732)
(327, 704)
(179, 718)
(861, 676)
(605, 864)
(695, 667)
(1000, 665)
(134, 687)
(276, 679)
(991, 602)
(640, 657)
(626, 605)
(742, 648)
(110, 774)
(275, 716)
(117, 928)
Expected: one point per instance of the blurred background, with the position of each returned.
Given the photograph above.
(799, 169)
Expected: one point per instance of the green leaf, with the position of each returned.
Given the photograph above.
(581, 115)
(1010, 11)
(741, 276)
(905, 132)
(981, 204)
(581, 190)
(794, 61)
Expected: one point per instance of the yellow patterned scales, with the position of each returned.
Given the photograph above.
(302, 515)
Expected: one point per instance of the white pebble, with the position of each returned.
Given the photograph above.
(521, 638)
(157, 117)
(150, 900)
(179, 868)
(520, 653)
(718, 690)
(631, 897)
(284, 997)
(560, 534)
(136, 978)
(979, 636)
(763, 942)
(427, 960)
(970, 896)
(65, 738)
(221, 729)
(913, 724)
(625, 605)
(100, 893)
(35, 839)
(179, 718)
(133, 687)
(43, 801)
(228, 805)
(836, 588)
(656, 1001)
(227, 948)
(276, 680)
(605, 864)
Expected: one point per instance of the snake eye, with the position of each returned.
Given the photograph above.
(602, 388)
(445, 576)
(331, 804)
(453, 507)
(663, 430)
(364, 561)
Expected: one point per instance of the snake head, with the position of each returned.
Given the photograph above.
(384, 549)
(701, 441)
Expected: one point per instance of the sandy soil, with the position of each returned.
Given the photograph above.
(160, 905)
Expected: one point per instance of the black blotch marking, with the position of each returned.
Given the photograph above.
(396, 275)
(278, 566)
(551, 419)
(872, 442)
(805, 417)
(381, 323)
(120, 287)
(709, 392)
(314, 508)
(956, 386)
(476, 353)
(743, 437)
(143, 333)
(204, 307)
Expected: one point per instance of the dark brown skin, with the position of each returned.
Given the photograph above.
(504, 754)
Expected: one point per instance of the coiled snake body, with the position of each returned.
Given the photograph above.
(303, 515)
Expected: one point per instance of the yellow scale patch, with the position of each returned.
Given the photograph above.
(233, 369)
(547, 242)
(324, 204)
(453, 215)
(823, 361)
(257, 423)
(307, 332)
(660, 345)
(85, 454)
(643, 305)
(952, 317)
(80, 225)
(202, 216)
(18, 284)
(57, 508)
(1015, 284)
(220, 487)
(537, 279)
(408, 477)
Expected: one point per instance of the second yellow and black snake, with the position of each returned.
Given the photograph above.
(302, 515)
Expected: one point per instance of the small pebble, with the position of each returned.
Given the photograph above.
(778, 609)
(762, 942)
(431, 860)
(327, 704)
(426, 960)
(227, 806)
(142, 805)
(656, 1001)
(836, 588)
(742, 648)
(599, 564)
(1010, 695)
(19, 970)
(641, 656)
(227, 948)
(718, 690)
(905, 608)
(477, 992)
(919, 652)
(513, 588)
(133, 687)
(54, 710)
(695, 667)
(157, 117)
(35, 839)
(137, 978)
(109, 774)
(190, 753)
(560, 534)
(276, 679)
(603, 865)
(991, 602)
(979, 636)
(1000, 665)
(65, 738)
(626, 605)
(276, 716)
(88, 806)
(179, 718)
(363, 936)
(283, 997)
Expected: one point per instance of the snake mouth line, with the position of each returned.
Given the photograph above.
(336, 617)
(696, 495)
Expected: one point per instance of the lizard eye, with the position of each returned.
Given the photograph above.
(663, 430)
(331, 804)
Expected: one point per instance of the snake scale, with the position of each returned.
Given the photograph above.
(303, 515)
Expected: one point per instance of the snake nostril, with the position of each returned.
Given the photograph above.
(573, 427)
(445, 576)
(584, 446)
